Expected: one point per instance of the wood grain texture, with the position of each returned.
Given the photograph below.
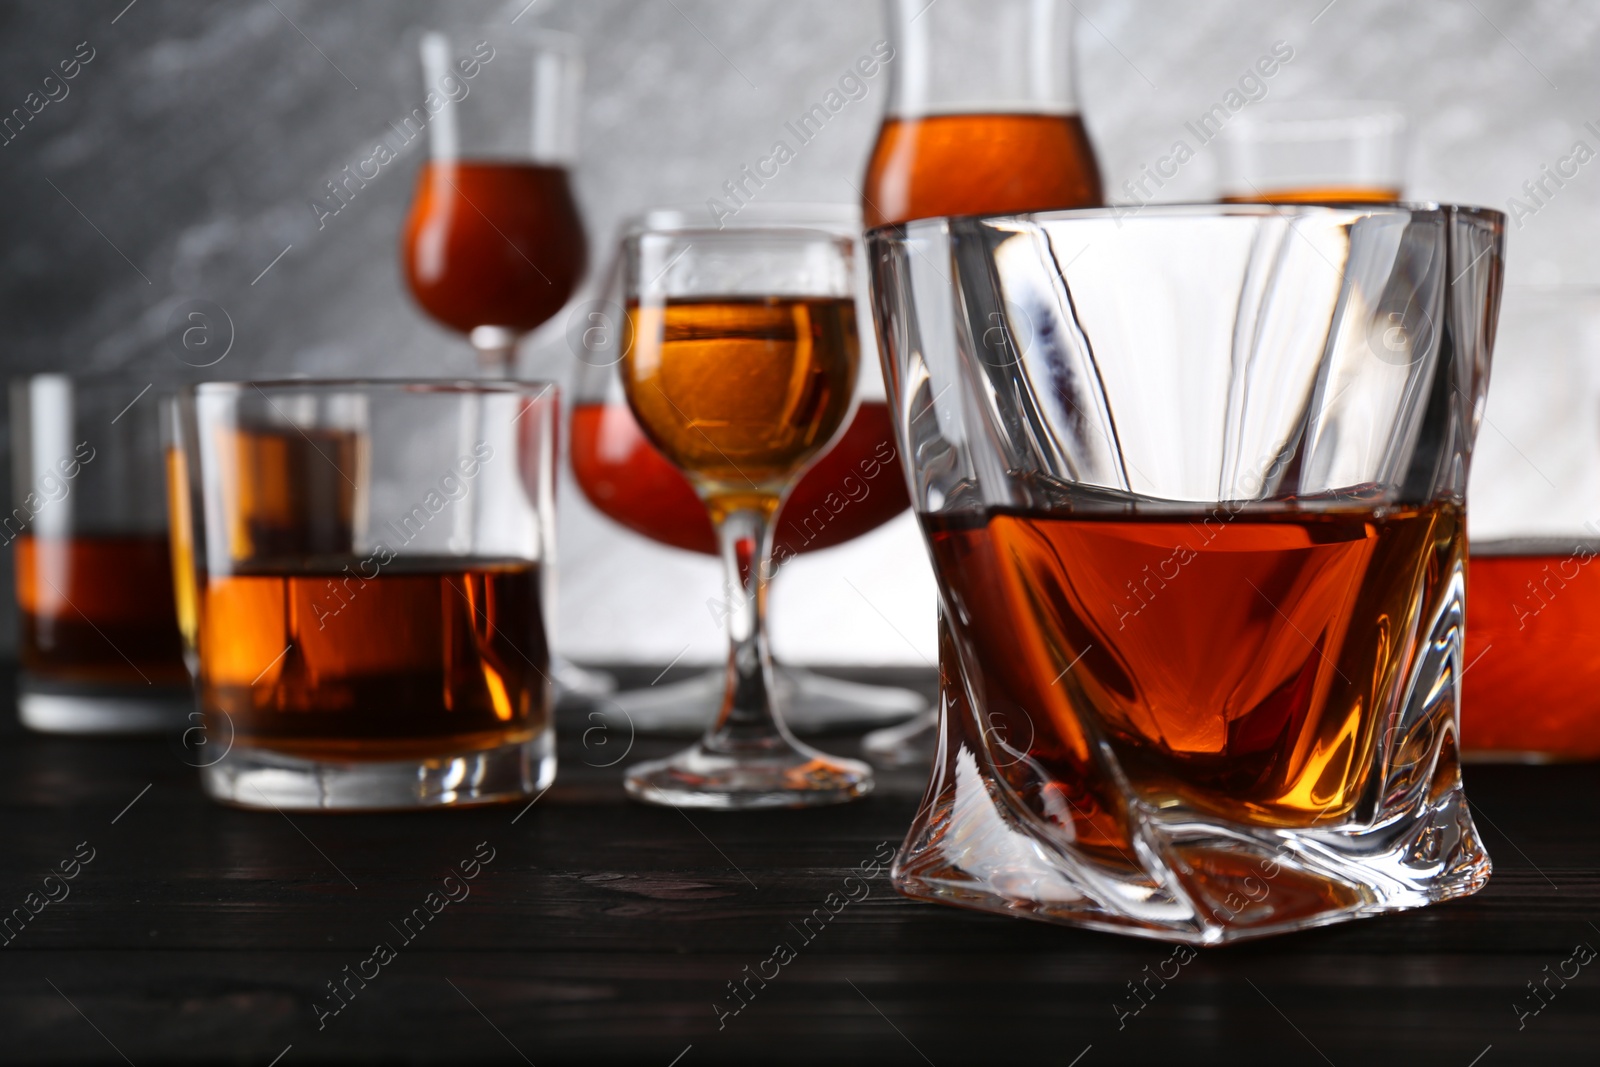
(604, 931)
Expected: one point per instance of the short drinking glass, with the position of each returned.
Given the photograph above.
(1193, 484)
(369, 562)
(98, 636)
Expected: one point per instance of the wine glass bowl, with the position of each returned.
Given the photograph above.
(493, 245)
(852, 488)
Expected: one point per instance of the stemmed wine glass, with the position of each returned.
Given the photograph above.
(856, 486)
(741, 369)
(493, 246)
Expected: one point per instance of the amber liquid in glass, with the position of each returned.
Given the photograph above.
(491, 243)
(740, 392)
(290, 492)
(979, 164)
(98, 610)
(313, 658)
(1242, 665)
(1531, 685)
(856, 486)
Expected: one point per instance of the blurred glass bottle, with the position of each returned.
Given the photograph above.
(982, 117)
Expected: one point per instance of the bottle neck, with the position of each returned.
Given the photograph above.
(981, 56)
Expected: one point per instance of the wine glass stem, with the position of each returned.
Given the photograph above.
(747, 721)
(497, 350)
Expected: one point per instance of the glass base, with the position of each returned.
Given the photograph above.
(812, 703)
(1203, 881)
(910, 744)
(777, 777)
(257, 778)
(62, 710)
(573, 680)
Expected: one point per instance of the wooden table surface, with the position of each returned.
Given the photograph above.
(605, 931)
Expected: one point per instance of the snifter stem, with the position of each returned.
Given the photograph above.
(748, 758)
(497, 350)
(746, 721)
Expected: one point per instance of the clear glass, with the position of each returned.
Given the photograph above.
(740, 367)
(853, 488)
(1533, 689)
(97, 632)
(1193, 486)
(982, 112)
(368, 562)
(494, 246)
(1346, 151)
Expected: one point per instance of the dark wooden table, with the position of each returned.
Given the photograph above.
(604, 931)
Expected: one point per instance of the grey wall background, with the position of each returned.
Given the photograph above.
(184, 157)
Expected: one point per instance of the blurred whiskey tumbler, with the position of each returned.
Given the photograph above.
(98, 634)
(368, 563)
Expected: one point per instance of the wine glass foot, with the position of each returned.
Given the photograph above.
(812, 703)
(576, 681)
(911, 743)
(796, 776)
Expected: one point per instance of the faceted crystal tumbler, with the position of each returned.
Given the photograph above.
(1192, 478)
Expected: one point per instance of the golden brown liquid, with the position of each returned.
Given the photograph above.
(179, 523)
(979, 164)
(288, 492)
(1325, 194)
(1244, 666)
(426, 657)
(493, 243)
(99, 610)
(739, 393)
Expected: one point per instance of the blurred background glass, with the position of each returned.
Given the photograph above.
(1531, 688)
(1337, 151)
(493, 246)
(98, 631)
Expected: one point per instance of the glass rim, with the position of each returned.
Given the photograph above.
(751, 235)
(1312, 119)
(778, 214)
(1201, 209)
(532, 388)
(96, 379)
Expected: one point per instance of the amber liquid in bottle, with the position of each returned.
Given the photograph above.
(491, 243)
(1531, 684)
(98, 610)
(856, 486)
(1327, 194)
(311, 657)
(1244, 666)
(970, 164)
(738, 393)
